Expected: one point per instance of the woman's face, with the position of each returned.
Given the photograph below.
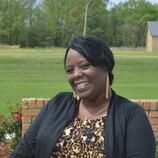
(86, 80)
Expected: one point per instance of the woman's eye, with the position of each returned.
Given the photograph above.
(85, 66)
(69, 71)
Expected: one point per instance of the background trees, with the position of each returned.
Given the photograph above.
(54, 22)
(129, 22)
(11, 21)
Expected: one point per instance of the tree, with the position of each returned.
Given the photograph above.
(36, 29)
(11, 21)
(66, 18)
(129, 22)
(54, 22)
(98, 20)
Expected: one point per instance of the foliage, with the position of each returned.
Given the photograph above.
(12, 17)
(54, 22)
(129, 21)
(5, 149)
(11, 128)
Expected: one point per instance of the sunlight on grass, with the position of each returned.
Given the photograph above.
(40, 73)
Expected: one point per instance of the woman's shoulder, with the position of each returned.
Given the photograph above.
(61, 95)
(128, 105)
(126, 109)
(61, 98)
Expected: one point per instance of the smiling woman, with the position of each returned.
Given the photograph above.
(84, 77)
(92, 122)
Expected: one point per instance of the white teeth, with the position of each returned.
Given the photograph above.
(81, 85)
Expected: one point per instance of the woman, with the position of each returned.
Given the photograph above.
(94, 122)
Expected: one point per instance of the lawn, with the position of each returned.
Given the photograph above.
(40, 73)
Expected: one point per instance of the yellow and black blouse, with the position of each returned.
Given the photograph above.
(81, 139)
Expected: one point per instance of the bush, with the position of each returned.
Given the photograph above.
(11, 128)
(5, 149)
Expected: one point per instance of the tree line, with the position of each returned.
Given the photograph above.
(55, 22)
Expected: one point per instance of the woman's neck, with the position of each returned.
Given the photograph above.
(97, 102)
(92, 109)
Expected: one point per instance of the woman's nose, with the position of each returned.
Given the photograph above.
(77, 73)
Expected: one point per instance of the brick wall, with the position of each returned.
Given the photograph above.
(32, 106)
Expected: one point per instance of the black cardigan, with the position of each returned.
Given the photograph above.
(128, 133)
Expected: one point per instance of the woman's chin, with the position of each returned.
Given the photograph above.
(84, 95)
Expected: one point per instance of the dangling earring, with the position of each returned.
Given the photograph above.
(107, 87)
(76, 96)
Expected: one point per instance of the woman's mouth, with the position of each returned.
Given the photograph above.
(80, 87)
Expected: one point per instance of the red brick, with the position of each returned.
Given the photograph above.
(30, 112)
(147, 105)
(140, 102)
(27, 119)
(155, 128)
(25, 126)
(35, 112)
(153, 121)
(45, 101)
(26, 112)
(25, 103)
(40, 103)
(153, 114)
(154, 106)
(32, 103)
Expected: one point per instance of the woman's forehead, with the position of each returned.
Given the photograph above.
(73, 56)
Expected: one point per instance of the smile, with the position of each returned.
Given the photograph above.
(81, 86)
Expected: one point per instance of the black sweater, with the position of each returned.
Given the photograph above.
(128, 132)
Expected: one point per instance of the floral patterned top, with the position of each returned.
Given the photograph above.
(81, 139)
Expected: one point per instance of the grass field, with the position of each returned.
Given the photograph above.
(40, 73)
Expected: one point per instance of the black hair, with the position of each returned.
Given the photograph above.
(95, 51)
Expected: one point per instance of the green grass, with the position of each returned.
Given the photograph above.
(136, 73)
(40, 73)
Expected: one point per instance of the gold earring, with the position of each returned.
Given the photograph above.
(76, 96)
(107, 87)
